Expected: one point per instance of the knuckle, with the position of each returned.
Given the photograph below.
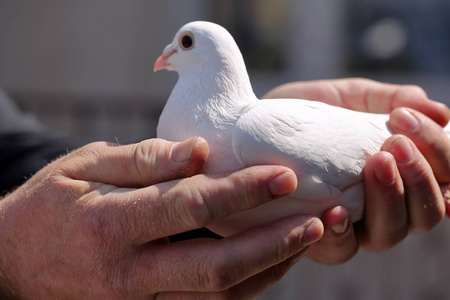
(149, 155)
(410, 93)
(414, 92)
(246, 186)
(162, 148)
(287, 247)
(153, 150)
(221, 275)
(191, 207)
(147, 161)
(142, 156)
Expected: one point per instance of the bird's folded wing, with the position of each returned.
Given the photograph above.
(319, 142)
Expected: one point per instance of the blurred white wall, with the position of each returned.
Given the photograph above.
(101, 47)
(108, 47)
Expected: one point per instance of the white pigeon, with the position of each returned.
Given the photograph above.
(326, 146)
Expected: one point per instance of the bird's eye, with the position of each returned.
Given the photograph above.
(186, 41)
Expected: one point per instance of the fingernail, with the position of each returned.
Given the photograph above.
(404, 121)
(282, 184)
(402, 150)
(385, 173)
(341, 227)
(312, 233)
(182, 151)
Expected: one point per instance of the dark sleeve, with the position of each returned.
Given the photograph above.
(25, 145)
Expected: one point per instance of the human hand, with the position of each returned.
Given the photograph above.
(94, 225)
(397, 188)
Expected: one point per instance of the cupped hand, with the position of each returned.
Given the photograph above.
(94, 225)
(404, 182)
(364, 95)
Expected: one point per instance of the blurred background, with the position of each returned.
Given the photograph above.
(86, 68)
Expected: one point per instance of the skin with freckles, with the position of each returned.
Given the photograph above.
(410, 172)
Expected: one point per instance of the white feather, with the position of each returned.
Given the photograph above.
(326, 146)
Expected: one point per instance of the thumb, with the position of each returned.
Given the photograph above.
(137, 165)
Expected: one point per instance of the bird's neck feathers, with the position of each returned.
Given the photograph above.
(222, 82)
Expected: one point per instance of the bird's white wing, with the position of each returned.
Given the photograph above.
(326, 146)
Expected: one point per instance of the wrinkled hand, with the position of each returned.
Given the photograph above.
(402, 182)
(94, 225)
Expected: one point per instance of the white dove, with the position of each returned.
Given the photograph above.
(326, 146)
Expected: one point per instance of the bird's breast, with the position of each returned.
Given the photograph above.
(178, 124)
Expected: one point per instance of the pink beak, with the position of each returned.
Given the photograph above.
(161, 62)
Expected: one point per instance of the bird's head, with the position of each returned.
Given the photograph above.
(198, 45)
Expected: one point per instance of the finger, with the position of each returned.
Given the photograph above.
(385, 221)
(217, 265)
(249, 288)
(256, 285)
(201, 200)
(339, 242)
(415, 97)
(377, 97)
(316, 90)
(424, 197)
(428, 136)
(364, 95)
(136, 165)
(178, 206)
